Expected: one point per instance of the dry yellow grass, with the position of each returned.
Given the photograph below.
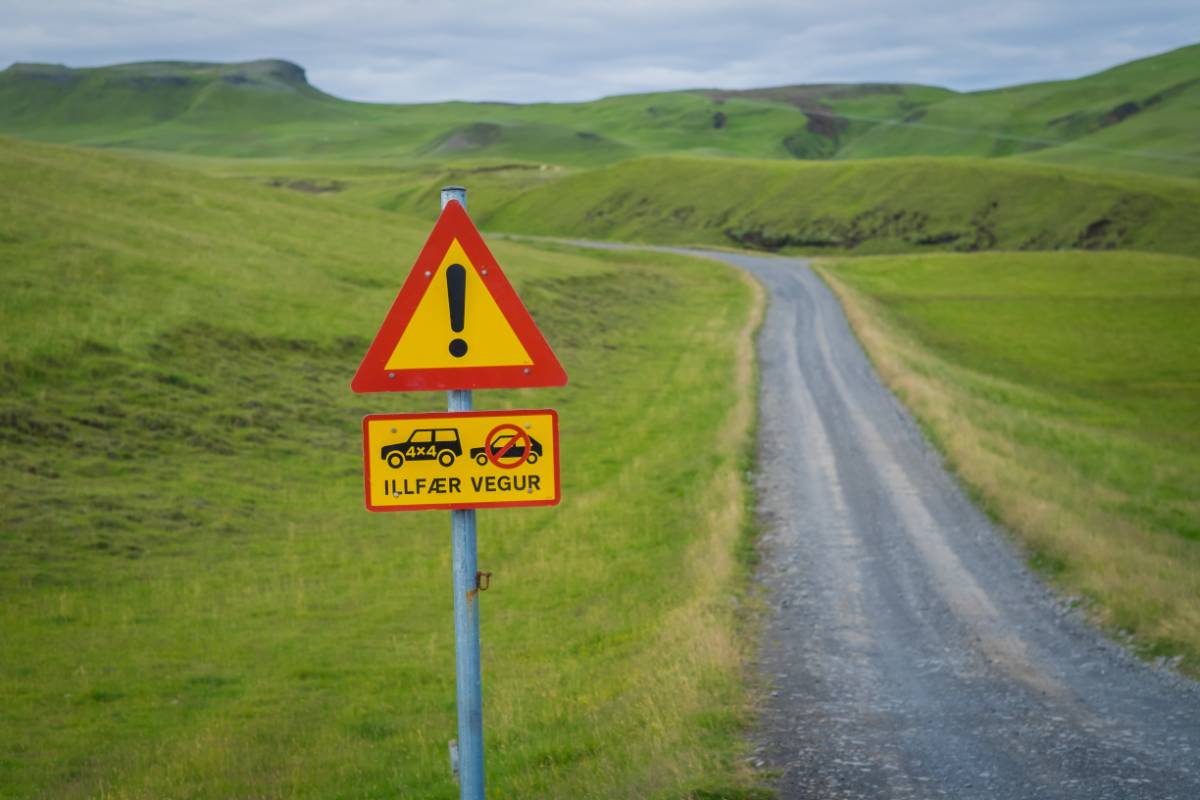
(1135, 580)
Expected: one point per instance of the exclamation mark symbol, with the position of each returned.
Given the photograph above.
(456, 289)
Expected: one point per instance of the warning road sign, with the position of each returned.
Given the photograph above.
(457, 323)
(470, 459)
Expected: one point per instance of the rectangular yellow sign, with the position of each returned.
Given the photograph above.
(467, 459)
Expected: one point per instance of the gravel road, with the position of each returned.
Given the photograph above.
(910, 653)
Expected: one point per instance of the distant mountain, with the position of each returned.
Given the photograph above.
(1142, 116)
(268, 108)
(50, 96)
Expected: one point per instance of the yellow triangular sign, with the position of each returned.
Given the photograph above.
(457, 323)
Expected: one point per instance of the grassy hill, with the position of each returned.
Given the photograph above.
(268, 109)
(1138, 116)
(193, 600)
(866, 206)
(123, 105)
(1141, 115)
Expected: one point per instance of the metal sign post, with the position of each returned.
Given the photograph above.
(467, 674)
(458, 325)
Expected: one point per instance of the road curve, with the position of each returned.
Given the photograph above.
(909, 652)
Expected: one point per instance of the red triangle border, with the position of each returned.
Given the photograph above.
(372, 374)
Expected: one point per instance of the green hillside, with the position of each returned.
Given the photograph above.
(120, 105)
(268, 109)
(866, 206)
(1142, 115)
(1064, 388)
(1138, 116)
(194, 601)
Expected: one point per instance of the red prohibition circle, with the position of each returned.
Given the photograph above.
(517, 430)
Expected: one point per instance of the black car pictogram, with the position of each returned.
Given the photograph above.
(424, 444)
(516, 451)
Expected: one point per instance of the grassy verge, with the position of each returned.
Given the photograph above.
(193, 601)
(1064, 389)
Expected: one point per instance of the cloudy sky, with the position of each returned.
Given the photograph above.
(530, 50)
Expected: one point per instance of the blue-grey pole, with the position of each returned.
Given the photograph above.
(467, 674)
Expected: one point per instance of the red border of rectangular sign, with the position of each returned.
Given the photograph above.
(524, 412)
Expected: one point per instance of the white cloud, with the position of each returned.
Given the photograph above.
(410, 51)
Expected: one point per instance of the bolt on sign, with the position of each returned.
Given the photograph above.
(457, 323)
(465, 459)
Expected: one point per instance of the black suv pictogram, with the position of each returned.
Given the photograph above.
(424, 444)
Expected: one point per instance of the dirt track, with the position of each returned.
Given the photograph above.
(910, 652)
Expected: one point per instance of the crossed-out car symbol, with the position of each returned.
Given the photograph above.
(480, 454)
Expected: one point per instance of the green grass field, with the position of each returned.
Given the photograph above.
(194, 600)
(403, 187)
(1065, 389)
